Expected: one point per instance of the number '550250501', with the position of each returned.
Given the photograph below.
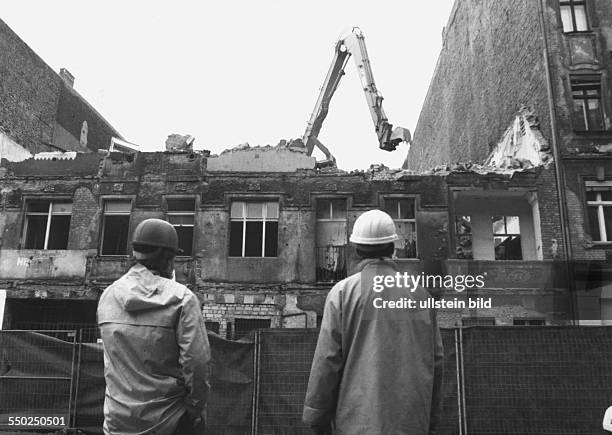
(37, 421)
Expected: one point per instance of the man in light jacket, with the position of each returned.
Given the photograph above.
(156, 350)
(376, 370)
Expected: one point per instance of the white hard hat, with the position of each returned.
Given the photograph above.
(607, 421)
(373, 227)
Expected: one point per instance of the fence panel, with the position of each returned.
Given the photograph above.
(36, 378)
(449, 425)
(285, 357)
(537, 380)
(230, 404)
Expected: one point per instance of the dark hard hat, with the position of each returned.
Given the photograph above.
(156, 232)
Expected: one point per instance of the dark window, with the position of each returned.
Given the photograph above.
(212, 326)
(478, 321)
(587, 107)
(47, 225)
(115, 227)
(463, 237)
(402, 210)
(573, 15)
(181, 214)
(334, 209)
(599, 210)
(507, 238)
(254, 229)
(527, 321)
(243, 326)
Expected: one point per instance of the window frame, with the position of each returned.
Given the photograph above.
(583, 84)
(183, 213)
(244, 221)
(591, 186)
(507, 234)
(49, 214)
(103, 201)
(415, 201)
(571, 4)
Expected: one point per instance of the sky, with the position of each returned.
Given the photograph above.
(229, 72)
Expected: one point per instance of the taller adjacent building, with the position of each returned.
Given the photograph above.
(553, 56)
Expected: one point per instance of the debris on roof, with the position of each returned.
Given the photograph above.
(521, 148)
(56, 155)
(295, 145)
(522, 145)
(178, 142)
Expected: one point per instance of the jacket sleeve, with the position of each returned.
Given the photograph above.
(438, 392)
(194, 354)
(327, 366)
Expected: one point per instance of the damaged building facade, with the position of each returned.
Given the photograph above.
(264, 231)
(552, 56)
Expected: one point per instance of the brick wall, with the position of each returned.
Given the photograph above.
(29, 92)
(36, 103)
(490, 65)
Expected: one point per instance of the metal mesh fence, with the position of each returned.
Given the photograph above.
(36, 377)
(512, 380)
(537, 380)
(285, 357)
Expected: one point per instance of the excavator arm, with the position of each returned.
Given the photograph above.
(388, 138)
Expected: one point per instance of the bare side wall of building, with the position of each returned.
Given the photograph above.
(490, 65)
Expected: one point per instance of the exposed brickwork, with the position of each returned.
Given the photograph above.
(36, 102)
(490, 65)
(29, 91)
(282, 288)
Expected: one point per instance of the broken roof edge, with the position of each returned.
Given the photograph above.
(522, 147)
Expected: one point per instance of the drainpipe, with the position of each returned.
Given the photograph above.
(559, 172)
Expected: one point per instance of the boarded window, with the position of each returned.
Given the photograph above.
(254, 229)
(47, 225)
(528, 321)
(115, 227)
(507, 238)
(181, 214)
(402, 210)
(463, 237)
(331, 239)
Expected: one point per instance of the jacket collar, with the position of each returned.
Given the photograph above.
(383, 261)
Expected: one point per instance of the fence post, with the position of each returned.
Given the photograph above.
(463, 413)
(71, 413)
(256, 365)
(76, 375)
(457, 368)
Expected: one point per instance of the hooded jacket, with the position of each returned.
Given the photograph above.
(375, 371)
(156, 353)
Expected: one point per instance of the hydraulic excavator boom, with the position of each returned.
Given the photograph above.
(388, 137)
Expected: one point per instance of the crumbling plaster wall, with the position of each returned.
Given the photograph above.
(490, 65)
(261, 159)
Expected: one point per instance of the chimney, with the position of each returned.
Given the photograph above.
(67, 77)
